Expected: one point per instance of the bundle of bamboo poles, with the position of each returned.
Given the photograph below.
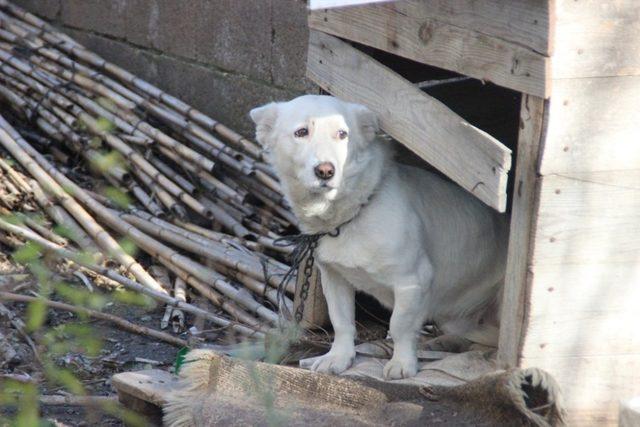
(205, 207)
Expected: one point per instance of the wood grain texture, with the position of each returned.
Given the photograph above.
(594, 125)
(470, 157)
(514, 305)
(589, 218)
(596, 38)
(504, 42)
(583, 299)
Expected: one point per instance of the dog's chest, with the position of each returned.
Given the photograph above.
(357, 259)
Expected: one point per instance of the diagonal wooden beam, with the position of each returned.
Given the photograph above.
(470, 157)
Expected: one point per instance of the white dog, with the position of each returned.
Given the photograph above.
(419, 244)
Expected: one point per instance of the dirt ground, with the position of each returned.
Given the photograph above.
(121, 351)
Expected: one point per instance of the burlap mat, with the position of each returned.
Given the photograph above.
(217, 390)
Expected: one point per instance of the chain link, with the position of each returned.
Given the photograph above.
(306, 283)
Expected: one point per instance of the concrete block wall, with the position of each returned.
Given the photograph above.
(222, 56)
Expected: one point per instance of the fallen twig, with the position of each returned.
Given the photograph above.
(118, 321)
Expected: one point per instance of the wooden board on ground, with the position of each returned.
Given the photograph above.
(504, 42)
(151, 385)
(470, 157)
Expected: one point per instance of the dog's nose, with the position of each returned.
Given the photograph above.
(325, 170)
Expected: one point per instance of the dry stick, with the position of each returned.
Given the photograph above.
(139, 161)
(173, 175)
(118, 321)
(145, 199)
(242, 261)
(163, 196)
(53, 182)
(214, 185)
(196, 248)
(179, 293)
(116, 143)
(15, 176)
(70, 46)
(56, 400)
(163, 139)
(260, 177)
(126, 282)
(64, 220)
(228, 303)
(227, 239)
(44, 231)
(226, 220)
(34, 20)
(161, 274)
(139, 124)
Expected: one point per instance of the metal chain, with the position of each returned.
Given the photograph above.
(306, 284)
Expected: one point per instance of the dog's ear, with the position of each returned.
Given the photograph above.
(368, 122)
(265, 118)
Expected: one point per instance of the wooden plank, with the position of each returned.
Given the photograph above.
(593, 125)
(596, 38)
(468, 37)
(583, 310)
(472, 158)
(532, 113)
(589, 218)
(583, 301)
(524, 22)
(151, 385)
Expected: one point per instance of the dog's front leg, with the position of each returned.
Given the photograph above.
(406, 321)
(340, 296)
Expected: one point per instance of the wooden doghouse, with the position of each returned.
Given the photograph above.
(572, 294)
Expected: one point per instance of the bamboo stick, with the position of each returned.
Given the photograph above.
(45, 174)
(126, 282)
(235, 296)
(163, 196)
(208, 251)
(63, 219)
(15, 176)
(172, 175)
(177, 315)
(70, 46)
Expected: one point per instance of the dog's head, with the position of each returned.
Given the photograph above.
(311, 139)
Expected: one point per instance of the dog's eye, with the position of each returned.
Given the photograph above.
(342, 134)
(301, 133)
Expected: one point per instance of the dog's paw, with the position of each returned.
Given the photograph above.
(333, 363)
(397, 368)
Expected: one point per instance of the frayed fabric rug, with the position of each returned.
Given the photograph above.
(218, 390)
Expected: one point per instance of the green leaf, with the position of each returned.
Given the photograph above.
(118, 197)
(128, 246)
(105, 125)
(27, 253)
(182, 353)
(36, 315)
